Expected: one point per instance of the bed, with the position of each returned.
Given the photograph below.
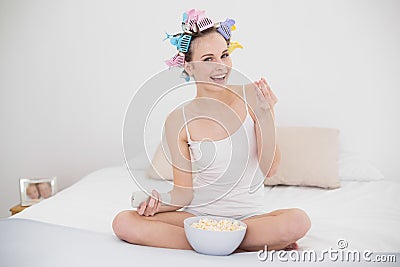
(74, 226)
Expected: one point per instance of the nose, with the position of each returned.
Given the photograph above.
(220, 65)
(220, 61)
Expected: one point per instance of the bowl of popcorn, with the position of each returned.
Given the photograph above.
(213, 235)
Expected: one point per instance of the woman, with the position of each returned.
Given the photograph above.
(222, 108)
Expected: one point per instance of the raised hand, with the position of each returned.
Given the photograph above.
(266, 99)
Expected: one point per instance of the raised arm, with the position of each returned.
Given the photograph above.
(261, 104)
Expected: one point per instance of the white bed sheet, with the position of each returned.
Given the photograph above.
(365, 214)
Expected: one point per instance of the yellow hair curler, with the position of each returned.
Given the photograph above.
(233, 45)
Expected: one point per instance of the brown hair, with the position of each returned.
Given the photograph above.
(188, 55)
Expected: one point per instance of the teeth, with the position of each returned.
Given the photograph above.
(218, 77)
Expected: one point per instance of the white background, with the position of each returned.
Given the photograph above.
(68, 70)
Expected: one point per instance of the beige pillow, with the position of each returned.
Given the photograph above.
(160, 167)
(309, 157)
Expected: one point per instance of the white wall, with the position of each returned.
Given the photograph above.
(68, 70)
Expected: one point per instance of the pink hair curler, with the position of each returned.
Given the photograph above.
(196, 21)
(177, 60)
(204, 24)
(192, 19)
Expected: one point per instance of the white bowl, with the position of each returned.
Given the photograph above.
(219, 243)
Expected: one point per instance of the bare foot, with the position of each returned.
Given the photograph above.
(239, 250)
(293, 246)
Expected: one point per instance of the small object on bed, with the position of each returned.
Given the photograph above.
(34, 190)
(210, 241)
(139, 196)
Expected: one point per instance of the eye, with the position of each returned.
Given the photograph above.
(207, 59)
(225, 55)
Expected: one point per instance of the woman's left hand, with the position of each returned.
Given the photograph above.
(266, 99)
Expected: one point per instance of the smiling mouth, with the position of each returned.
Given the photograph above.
(218, 78)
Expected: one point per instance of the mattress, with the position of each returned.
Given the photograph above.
(364, 214)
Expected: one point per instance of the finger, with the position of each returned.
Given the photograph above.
(154, 209)
(258, 90)
(156, 197)
(155, 194)
(151, 203)
(263, 86)
(147, 211)
(158, 202)
(269, 90)
(158, 206)
(265, 81)
(273, 95)
(256, 84)
(267, 86)
(142, 208)
(264, 91)
(151, 212)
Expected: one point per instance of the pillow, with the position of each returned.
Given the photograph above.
(309, 157)
(353, 167)
(160, 167)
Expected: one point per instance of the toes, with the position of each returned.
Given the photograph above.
(293, 246)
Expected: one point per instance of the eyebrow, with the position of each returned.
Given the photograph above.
(226, 50)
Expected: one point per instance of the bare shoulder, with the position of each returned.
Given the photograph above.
(174, 122)
(174, 118)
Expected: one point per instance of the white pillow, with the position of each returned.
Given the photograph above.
(353, 167)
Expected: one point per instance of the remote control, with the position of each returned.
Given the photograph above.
(140, 196)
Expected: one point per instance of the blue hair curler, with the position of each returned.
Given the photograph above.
(184, 42)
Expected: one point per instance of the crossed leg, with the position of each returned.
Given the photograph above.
(163, 230)
(279, 229)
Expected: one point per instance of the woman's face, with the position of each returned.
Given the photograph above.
(210, 59)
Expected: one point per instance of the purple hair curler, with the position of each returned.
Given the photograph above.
(225, 28)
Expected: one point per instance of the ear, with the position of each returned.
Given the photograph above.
(188, 67)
